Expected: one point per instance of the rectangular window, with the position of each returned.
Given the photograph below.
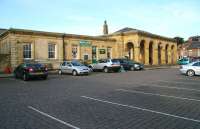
(86, 57)
(27, 51)
(51, 51)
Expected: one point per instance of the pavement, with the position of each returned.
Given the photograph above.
(6, 75)
(149, 99)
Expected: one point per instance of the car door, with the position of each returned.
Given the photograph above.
(101, 64)
(64, 67)
(197, 68)
(17, 71)
(69, 67)
(98, 65)
(22, 70)
(125, 64)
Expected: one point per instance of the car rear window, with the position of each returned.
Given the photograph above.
(34, 65)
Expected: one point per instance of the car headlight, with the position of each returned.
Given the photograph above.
(136, 65)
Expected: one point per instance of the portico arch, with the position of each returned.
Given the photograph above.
(151, 53)
(173, 56)
(142, 51)
(159, 53)
(130, 48)
(166, 54)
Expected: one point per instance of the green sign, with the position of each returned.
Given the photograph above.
(84, 43)
(102, 51)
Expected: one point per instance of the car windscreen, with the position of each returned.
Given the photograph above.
(77, 64)
(115, 60)
(131, 62)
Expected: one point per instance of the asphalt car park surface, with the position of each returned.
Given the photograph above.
(150, 99)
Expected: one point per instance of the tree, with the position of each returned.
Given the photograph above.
(179, 40)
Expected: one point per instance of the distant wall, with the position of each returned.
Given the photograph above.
(4, 61)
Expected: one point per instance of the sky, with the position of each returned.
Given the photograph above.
(164, 17)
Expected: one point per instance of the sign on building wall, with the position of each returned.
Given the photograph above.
(102, 51)
(84, 43)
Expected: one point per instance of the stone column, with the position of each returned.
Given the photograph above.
(155, 54)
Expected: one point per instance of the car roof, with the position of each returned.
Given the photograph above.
(194, 62)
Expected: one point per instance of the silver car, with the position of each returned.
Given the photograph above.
(191, 69)
(106, 65)
(74, 67)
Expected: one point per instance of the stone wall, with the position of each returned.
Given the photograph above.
(4, 62)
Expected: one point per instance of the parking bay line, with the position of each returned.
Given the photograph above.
(169, 87)
(142, 109)
(152, 94)
(49, 116)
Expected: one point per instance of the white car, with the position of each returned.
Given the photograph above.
(74, 67)
(106, 65)
(191, 69)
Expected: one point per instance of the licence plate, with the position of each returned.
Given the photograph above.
(38, 73)
(115, 65)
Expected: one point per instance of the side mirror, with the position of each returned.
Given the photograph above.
(70, 65)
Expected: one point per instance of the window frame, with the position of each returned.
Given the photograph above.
(27, 51)
(51, 51)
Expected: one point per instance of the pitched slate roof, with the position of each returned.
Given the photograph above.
(127, 29)
(54, 34)
(2, 30)
(194, 45)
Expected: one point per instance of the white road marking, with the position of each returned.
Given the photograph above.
(189, 83)
(142, 109)
(169, 87)
(152, 94)
(49, 116)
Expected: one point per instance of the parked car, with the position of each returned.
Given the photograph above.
(191, 69)
(74, 67)
(130, 65)
(106, 65)
(183, 61)
(27, 71)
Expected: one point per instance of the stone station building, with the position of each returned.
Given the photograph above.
(18, 45)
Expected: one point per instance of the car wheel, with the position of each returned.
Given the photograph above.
(132, 68)
(105, 70)
(25, 77)
(190, 73)
(74, 73)
(60, 72)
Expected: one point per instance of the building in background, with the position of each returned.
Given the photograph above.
(191, 48)
(20, 45)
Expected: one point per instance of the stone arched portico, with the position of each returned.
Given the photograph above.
(150, 52)
(173, 54)
(146, 48)
(130, 49)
